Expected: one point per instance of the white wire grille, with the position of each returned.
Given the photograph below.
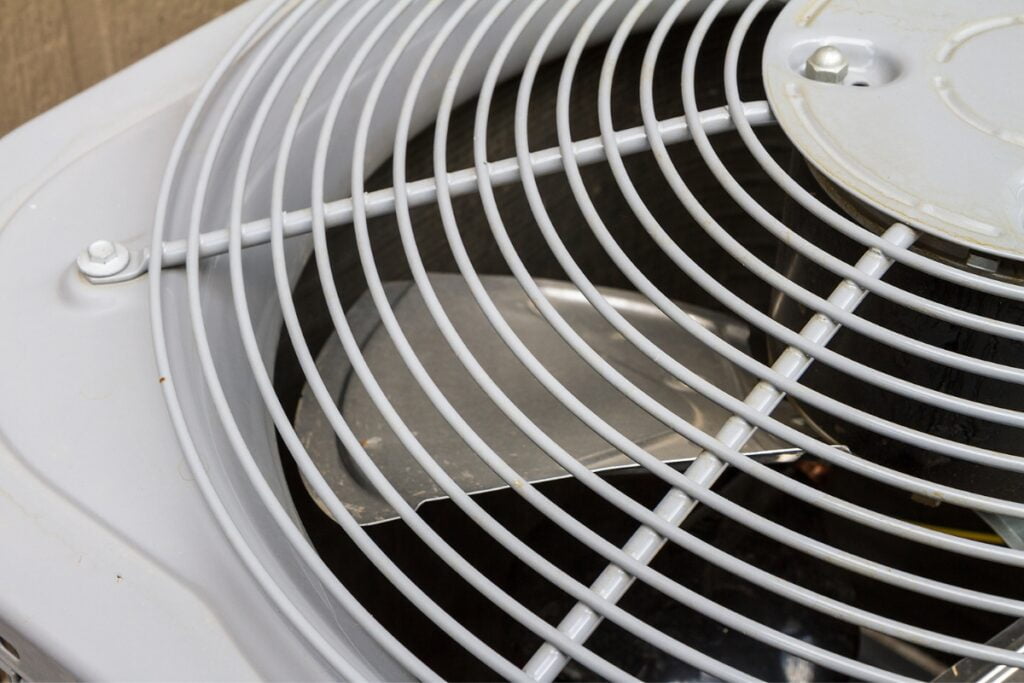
(374, 60)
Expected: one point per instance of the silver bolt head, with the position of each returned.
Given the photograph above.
(101, 251)
(827, 64)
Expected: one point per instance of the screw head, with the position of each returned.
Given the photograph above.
(827, 64)
(103, 258)
(101, 251)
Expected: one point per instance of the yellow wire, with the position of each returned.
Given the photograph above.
(983, 536)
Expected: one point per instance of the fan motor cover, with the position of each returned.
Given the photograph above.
(926, 125)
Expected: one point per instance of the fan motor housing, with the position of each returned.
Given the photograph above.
(929, 84)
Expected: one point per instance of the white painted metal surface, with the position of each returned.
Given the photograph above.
(112, 567)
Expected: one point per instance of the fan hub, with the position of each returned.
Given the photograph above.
(930, 89)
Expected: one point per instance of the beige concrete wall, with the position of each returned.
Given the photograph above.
(51, 49)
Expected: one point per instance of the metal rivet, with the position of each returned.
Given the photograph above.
(827, 64)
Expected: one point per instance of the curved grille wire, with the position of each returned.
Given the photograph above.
(655, 527)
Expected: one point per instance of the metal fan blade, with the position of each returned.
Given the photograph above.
(521, 387)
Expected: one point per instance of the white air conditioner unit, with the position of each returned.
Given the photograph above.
(523, 340)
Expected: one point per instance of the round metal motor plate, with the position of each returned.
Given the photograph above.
(928, 123)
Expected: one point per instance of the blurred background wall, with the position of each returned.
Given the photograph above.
(51, 49)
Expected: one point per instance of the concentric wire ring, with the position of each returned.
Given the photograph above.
(363, 38)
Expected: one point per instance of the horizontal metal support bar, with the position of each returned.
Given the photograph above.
(421, 192)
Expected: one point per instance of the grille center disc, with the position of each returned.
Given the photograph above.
(929, 88)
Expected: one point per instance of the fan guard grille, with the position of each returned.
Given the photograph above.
(252, 125)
